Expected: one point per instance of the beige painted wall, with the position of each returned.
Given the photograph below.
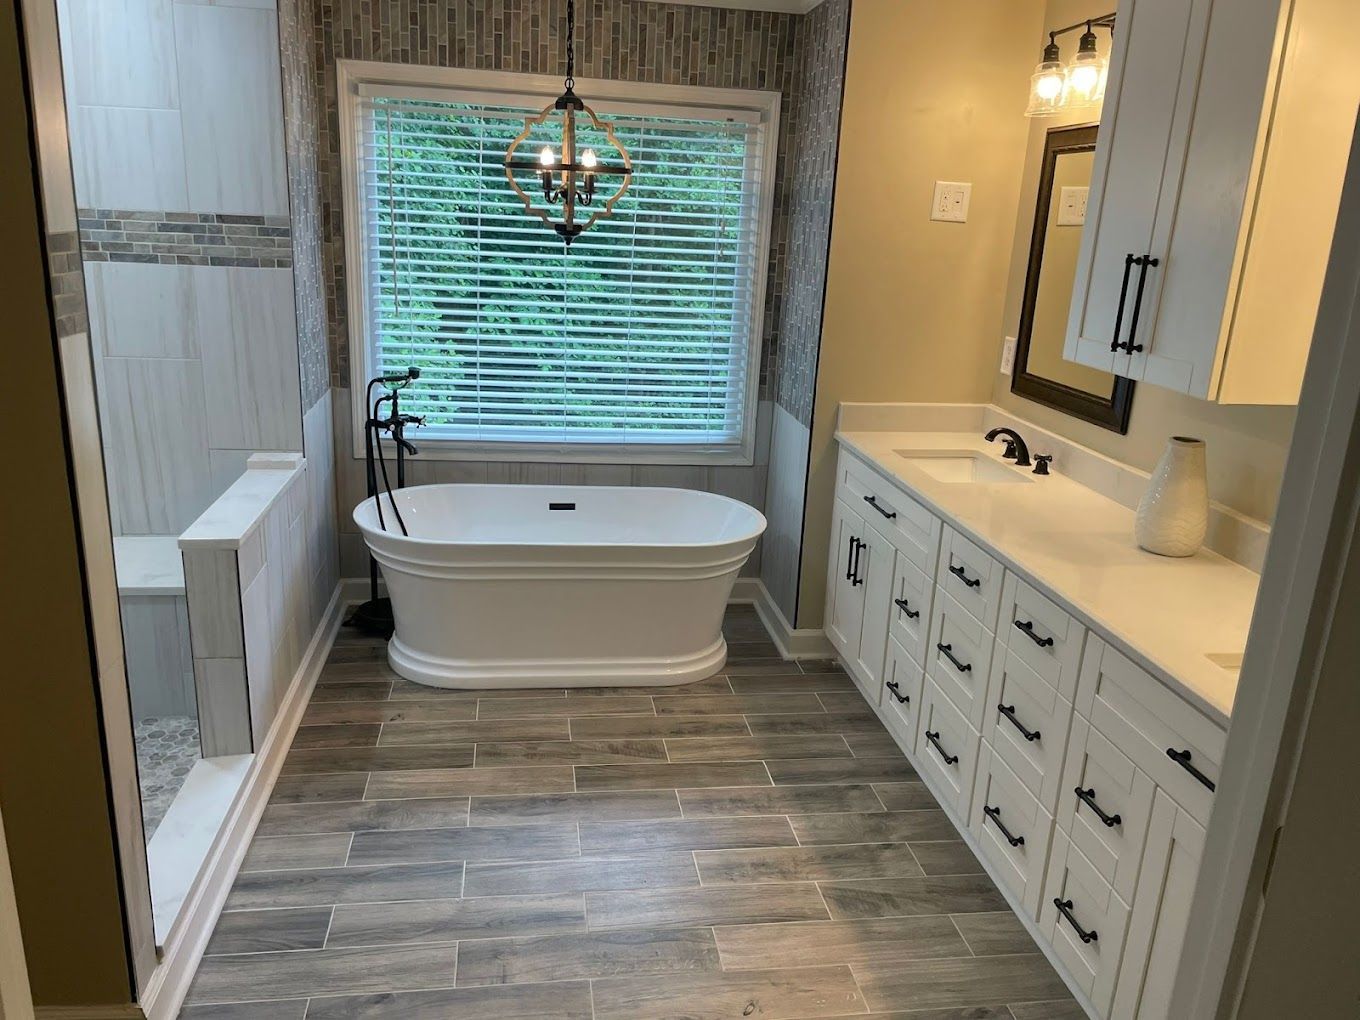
(933, 92)
(1247, 445)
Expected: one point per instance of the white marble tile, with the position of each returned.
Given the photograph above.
(160, 670)
(226, 467)
(781, 545)
(233, 109)
(213, 589)
(128, 159)
(250, 557)
(140, 310)
(248, 330)
(176, 852)
(148, 565)
(121, 52)
(674, 476)
(258, 618)
(156, 443)
(223, 706)
(237, 512)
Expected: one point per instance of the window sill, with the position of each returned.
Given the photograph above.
(567, 453)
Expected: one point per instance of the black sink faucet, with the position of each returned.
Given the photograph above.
(1015, 446)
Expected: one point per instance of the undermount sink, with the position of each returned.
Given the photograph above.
(962, 467)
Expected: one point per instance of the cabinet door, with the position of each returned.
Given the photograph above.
(1139, 155)
(845, 594)
(876, 560)
(1161, 911)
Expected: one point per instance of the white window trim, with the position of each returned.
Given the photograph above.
(604, 96)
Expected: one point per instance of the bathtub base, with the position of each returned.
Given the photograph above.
(509, 674)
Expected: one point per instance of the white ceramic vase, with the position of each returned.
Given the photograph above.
(1173, 514)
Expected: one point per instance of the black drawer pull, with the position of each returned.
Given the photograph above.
(855, 579)
(1009, 712)
(1088, 797)
(850, 559)
(972, 582)
(994, 813)
(896, 691)
(1027, 628)
(1182, 758)
(948, 650)
(1065, 908)
(905, 606)
(1123, 296)
(873, 502)
(1142, 263)
(949, 759)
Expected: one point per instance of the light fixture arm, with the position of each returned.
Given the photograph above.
(1105, 21)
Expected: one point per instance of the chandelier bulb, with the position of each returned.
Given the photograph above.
(546, 157)
(588, 159)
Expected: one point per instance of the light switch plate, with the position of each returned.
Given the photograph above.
(1072, 206)
(1008, 356)
(951, 201)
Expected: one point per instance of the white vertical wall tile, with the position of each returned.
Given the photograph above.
(121, 52)
(156, 646)
(128, 158)
(231, 99)
(223, 706)
(142, 310)
(785, 489)
(212, 586)
(248, 331)
(261, 679)
(157, 443)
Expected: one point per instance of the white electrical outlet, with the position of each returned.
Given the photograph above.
(1072, 206)
(1008, 356)
(951, 201)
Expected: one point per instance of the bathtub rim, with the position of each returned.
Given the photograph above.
(367, 529)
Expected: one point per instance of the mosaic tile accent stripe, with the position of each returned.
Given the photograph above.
(298, 41)
(616, 39)
(186, 238)
(68, 283)
(817, 115)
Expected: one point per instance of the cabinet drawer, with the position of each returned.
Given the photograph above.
(1012, 828)
(901, 690)
(1152, 725)
(1045, 637)
(1027, 724)
(959, 657)
(947, 750)
(1112, 784)
(912, 597)
(971, 576)
(911, 527)
(1092, 904)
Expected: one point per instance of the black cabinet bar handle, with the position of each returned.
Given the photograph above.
(855, 579)
(972, 582)
(994, 813)
(905, 606)
(1065, 908)
(850, 559)
(1027, 628)
(1182, 758)
(873, 502)
(1123, 294)
(934, 738)
(1009, 712)
(1088, 797)
(948, 650)
(896, 691)
(1143, 264)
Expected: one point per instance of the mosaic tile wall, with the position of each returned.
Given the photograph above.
(298, 51)
(816, 115)
(68, 283)
(616, 39)
(185, 238)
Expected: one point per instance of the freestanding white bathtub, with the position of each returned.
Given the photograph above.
(559, 586)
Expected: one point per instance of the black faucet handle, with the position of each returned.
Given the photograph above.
(1041, 462)
(1010, 452)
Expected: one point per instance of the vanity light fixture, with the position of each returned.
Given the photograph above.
(1081, 84)
(568, 183)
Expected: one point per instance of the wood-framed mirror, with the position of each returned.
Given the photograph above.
(1040, 373)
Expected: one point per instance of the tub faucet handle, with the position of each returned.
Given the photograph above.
(1041, 462)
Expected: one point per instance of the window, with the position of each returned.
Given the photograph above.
(642, 343)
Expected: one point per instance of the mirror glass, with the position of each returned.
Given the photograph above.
(1040, 372)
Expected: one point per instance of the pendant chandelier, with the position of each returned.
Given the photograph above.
(1080, 85)
(572, 183)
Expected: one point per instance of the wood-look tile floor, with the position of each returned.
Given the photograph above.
(753, 845)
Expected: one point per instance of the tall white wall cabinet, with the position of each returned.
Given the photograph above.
(1223, 144)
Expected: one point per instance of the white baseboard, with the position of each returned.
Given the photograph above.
(188, 938)
(791, 642)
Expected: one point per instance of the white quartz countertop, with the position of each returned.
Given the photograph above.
(1172, 616)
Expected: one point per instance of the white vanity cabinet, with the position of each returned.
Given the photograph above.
(1082, 781)
(1223, 144)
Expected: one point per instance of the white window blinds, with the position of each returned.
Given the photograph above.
(645, 332)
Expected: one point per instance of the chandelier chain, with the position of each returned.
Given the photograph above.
(571, 44)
